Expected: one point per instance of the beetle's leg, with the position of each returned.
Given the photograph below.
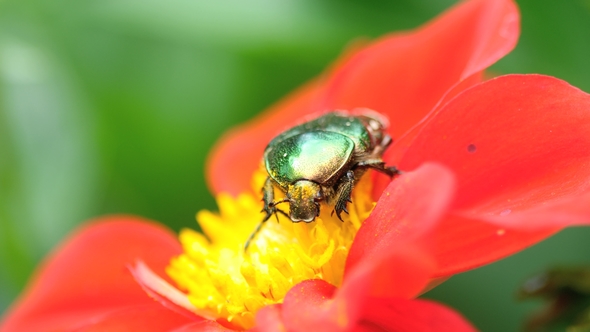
(379, 166)
(268, 196)
(343, 195)
(270, 208)
(251, 237)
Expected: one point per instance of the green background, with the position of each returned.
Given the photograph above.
(111, 106)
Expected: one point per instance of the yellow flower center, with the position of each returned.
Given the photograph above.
(232, 284)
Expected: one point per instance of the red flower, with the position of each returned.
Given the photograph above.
(491, 168)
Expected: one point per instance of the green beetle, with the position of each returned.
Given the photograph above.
(321, 160)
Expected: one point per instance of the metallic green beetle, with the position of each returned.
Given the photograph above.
(321, 160)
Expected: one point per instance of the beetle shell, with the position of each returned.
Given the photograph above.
(319, 150)
(318, 156)
(337, 122)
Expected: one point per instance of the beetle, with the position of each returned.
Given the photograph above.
(320, 161)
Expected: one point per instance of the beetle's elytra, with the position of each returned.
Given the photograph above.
(321, 160)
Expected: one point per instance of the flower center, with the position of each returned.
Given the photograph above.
(232, 284)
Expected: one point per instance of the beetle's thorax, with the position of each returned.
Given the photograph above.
(304, 197)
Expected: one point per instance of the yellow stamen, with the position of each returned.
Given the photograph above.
(232, 284)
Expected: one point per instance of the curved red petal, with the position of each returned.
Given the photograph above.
(463, 244)
(569, 209)
(518, 145)
(406, 75)
(269, 319)
(87, 277)
(514, 142)
(403, 273)
(393, 155)
(403, 76)
(410, 315)
(309, 306)
(409, 208)
(202, 326)
(315, 305)
(146, 318)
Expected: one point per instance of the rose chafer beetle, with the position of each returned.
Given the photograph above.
(320, 161)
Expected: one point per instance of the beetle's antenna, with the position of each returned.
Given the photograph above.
(274, 211)
(273, 206)
(251, 237)
(284, 200)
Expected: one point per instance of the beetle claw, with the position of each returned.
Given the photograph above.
(339, 210)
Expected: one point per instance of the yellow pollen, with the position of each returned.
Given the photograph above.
(232, 284)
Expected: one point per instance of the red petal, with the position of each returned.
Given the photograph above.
(149, 317)
(403, 76)
(519, 147)
(308, 307)
(312, 306)
(463, 244)
(564, 211)
(268, 319)
(411, 315)
(409, 208)
(87, 278)
(404, 273)
(406, 75)
(202, 326)
(315, 305)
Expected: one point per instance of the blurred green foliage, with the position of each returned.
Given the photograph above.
(111, 106)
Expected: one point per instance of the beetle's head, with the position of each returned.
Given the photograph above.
(304, 197)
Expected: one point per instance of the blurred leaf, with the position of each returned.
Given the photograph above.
(303, 29)
(554, 41)
(48, 173)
